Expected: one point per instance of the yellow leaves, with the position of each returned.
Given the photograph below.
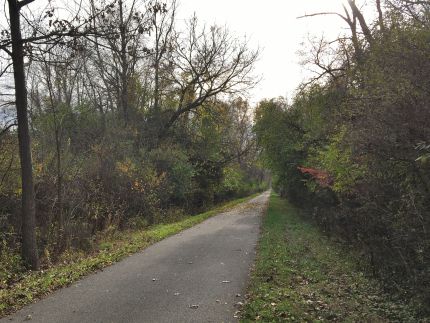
(138, 186)
(161, 178)
(18, 191)
(140, 178)
(38, 167)
(125, 167)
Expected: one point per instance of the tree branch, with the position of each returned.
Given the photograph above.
(23, 3)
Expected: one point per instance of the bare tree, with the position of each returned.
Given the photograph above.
(351, 17)
(58, 75)
(162, 23)
(208, 62)
(418, 10)
(117, 55)
(50, 31)
(332, 58)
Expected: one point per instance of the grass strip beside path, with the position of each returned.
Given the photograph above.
(302, 276)
(35, 285)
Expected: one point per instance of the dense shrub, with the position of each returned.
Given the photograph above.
(366, 126)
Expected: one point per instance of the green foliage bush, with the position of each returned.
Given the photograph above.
(113, 178)
(172, 163)
(336, 158)
(11, 265)
(365, 127)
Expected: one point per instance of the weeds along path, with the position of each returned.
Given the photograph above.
(198, 275)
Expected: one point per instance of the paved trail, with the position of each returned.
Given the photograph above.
(206, 266)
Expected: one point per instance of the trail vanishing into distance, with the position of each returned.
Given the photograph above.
(125, 122)
(198, 275)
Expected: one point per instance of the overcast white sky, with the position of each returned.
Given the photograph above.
(272, 26)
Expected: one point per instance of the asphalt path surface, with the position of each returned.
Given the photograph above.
(198, 275)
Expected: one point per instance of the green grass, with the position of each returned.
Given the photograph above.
(302, 276)
(34, 285)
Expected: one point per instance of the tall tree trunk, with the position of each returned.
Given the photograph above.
(124, 65)
(364, 27)
(156, 71)
(380, 16)
(61, 236)
(29, 245)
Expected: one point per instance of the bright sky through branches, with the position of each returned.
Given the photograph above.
(270, 25)
(273, 26)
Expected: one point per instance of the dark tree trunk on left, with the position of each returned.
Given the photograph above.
(29, 245)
